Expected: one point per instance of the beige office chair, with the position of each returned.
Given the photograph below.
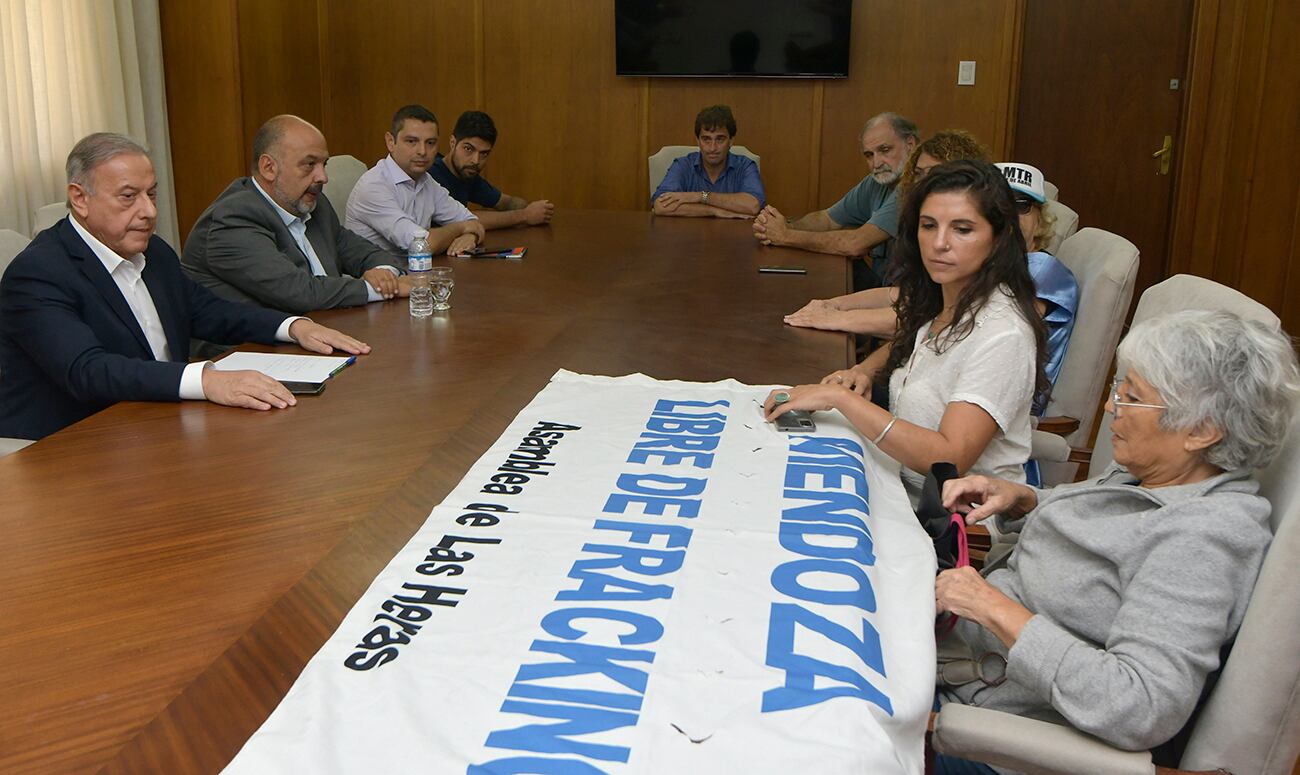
(11, 244)
(9, 446)
(344, 171)
(1250, 724)
(1052, 192)
(47, 216)
(664, 158)
(1067, 223)
(1105, 266)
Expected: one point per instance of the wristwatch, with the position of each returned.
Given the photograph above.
(704, 197)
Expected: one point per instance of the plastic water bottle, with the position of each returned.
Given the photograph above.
(419, 263)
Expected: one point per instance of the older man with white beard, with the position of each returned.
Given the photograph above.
(865, 220)
(274, 239)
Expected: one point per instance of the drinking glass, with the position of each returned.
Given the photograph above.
(442, 281)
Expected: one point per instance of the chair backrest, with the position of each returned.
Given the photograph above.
(748, 154)
(9, 446)
(1050, 189)
(344, 171)
(47, 216)
(1105, 266)
(1250, 725)
(11, 244)
(662, 159)
(1180, 292)
(1067, 223)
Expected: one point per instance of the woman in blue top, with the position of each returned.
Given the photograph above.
(1054, 283)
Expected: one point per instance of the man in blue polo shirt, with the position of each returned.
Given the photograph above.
(461, 173)
(865, 220)
(711, 182)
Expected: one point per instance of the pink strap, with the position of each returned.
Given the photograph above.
(944, 628)
(963, 548)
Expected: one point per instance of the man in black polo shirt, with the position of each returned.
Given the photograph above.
(461, 171)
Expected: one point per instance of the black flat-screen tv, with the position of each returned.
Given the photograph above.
(733, 38)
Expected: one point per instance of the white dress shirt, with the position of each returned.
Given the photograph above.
(128, 274)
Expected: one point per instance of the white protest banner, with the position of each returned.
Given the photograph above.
(638, 577)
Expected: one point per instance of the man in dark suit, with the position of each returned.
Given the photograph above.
(273, 238)
(96, 310)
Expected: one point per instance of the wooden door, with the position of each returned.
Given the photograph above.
(1096, 101)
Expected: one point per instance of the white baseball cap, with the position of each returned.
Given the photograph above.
(1025, 179)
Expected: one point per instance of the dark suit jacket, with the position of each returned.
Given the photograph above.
(70, 345)
(241, 249)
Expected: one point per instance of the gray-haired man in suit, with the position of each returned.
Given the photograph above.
(96, 309)
(273, 238)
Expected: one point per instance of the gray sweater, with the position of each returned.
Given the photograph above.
(1133, 591)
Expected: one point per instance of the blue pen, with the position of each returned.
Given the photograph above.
(343, 365)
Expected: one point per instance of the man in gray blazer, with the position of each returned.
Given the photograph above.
(273, 238)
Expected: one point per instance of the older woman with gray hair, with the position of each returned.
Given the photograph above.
(1122, 591)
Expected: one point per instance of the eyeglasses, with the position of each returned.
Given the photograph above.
(1024, 204)
(1118, 402)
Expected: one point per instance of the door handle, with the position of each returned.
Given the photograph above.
(1165, 153)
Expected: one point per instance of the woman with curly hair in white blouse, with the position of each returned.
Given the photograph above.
(969, 356)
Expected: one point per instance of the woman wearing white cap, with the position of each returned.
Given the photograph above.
(1054, 283)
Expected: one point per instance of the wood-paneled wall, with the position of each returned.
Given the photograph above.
(1237, 215)
(570, 129)
(573, 131)
(204, 116)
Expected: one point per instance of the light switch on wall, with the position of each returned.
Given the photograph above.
(966, 72)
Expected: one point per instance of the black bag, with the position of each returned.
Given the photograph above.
(946, 529)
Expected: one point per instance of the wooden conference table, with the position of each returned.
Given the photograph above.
(168, 569)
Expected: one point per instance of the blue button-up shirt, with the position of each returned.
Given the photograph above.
(687, 174)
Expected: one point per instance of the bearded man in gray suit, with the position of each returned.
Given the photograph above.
(273, 238)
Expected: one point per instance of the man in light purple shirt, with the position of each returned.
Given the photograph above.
(397, 198)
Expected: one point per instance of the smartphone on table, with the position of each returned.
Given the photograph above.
(304, 388)
(795, 421)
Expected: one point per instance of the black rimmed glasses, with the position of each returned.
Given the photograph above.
(1024, 204)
